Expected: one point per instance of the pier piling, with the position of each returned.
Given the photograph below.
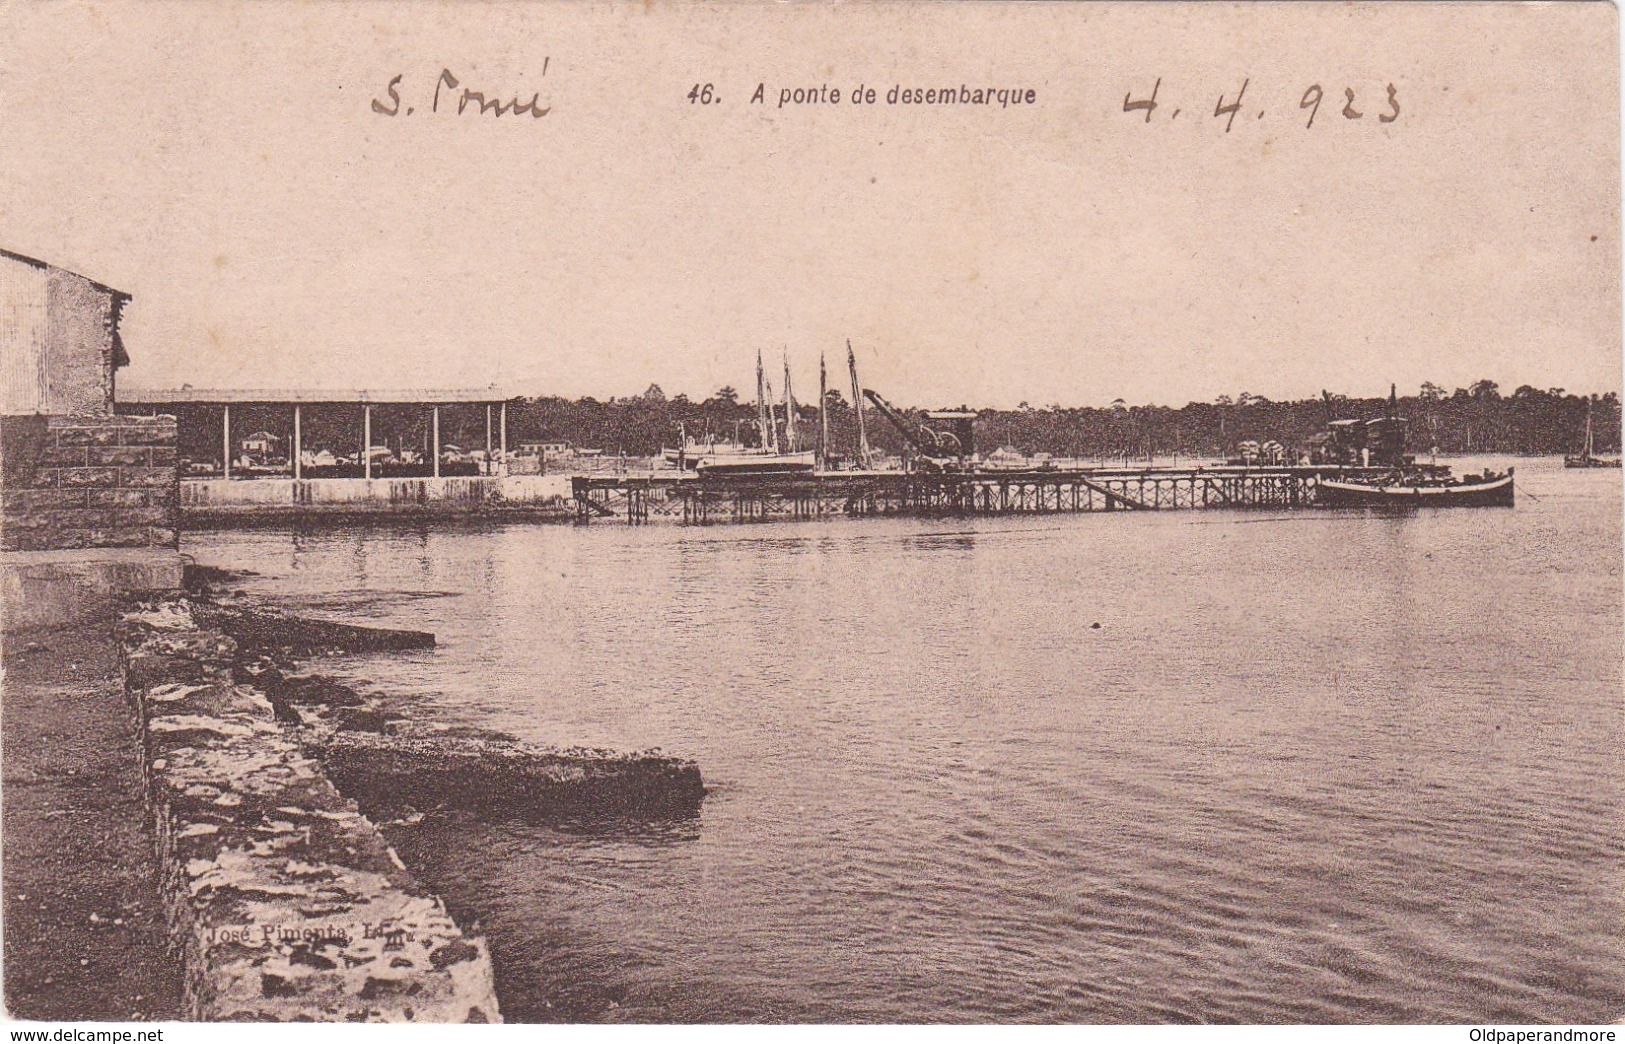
(700, 500)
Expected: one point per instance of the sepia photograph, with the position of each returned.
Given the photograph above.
(949, 513)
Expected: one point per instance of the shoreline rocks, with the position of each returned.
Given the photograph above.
(261, 631)
(284, 902)
(503, 776)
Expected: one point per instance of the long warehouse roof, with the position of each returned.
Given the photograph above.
(272, 396)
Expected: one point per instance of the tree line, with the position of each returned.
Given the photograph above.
(1476, 419)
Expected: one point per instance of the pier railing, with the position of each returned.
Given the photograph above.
(715, 499)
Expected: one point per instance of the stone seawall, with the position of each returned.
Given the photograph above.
(88, 482)
(51, 588)
(283, 901)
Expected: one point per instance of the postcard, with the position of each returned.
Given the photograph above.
(815, 513)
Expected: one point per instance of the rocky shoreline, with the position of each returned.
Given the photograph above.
(283, 900)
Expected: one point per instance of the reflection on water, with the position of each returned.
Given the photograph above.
(1309, 767)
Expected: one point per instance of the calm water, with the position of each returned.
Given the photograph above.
(1309, 767)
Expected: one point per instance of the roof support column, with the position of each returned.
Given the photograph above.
(298, 447)
(437, 440)
(490, 467)
(366, 437)
(225, 438)
(504, 432)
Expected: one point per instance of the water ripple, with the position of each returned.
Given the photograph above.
(1364, 769)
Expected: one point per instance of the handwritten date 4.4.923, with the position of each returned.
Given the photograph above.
(1384, 105)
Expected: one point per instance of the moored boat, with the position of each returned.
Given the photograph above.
(1590, 462)
(757, 464)
(694, 452)
(1587, 458)
(1487, 490)
(778, 453)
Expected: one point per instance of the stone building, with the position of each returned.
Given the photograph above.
(61, 338)
(88, 499)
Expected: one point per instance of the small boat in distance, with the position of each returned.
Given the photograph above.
(1409, 491)
(692, 452)
(1586, 458)
(727, 457)
(778, 451)
(757, 464)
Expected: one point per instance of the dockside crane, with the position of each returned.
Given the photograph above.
(936, 448)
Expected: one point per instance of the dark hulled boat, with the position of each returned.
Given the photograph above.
(1375, 471)
(1408, 491)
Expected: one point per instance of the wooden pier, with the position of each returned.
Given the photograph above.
(700, 500)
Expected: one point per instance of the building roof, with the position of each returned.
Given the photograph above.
(119, 299)
(289, 396)
(37, 263)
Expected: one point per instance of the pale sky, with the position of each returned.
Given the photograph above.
(221, 161)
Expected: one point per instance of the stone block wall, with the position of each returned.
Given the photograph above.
(284, 903)
(88, 482)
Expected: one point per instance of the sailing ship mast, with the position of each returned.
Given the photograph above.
(772, 418)
(1587, 458)
(761, 401)
(792, 442)
(857, 404)
(823, 413)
